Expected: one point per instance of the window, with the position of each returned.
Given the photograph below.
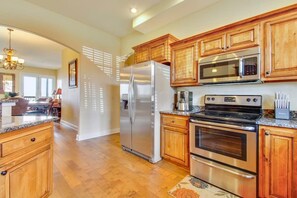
(38, 86)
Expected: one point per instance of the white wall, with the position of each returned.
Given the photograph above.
(70, 96)
(222, 13)
(73, 34)
(100, 102)
(267, 90)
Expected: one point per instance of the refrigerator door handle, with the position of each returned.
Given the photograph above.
(133, 100)
(129, 100)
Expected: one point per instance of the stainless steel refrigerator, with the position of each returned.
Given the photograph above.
(145, 90)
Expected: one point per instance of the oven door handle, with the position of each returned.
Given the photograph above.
(247, 176)
(212, 125)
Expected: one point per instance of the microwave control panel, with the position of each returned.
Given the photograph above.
(250, 66)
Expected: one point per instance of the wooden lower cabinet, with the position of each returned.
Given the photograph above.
(175, 139)
(277, 162)
(27, 172)
(30, 179)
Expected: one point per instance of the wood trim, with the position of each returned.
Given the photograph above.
(166, 36)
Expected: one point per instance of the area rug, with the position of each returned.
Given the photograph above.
(191, 187)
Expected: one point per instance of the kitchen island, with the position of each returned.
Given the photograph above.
(26, 156)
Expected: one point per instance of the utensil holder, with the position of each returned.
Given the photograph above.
(282, 113)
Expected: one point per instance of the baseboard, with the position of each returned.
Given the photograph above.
(80, 137)
(68, 124)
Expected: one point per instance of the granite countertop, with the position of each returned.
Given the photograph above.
(183, 113)
(267, 119)
(11, 123)
(277, 122)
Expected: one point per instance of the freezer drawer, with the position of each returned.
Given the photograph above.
(233, 180)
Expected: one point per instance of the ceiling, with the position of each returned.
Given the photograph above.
(35, 50)
(112, 16)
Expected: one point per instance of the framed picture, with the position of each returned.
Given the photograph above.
(72, 73)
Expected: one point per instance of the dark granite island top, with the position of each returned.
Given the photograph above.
(12, 123)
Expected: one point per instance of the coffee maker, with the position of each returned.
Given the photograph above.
(184, 101)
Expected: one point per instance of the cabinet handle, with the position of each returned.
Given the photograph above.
(3, 173)
(33, 139)
(223, 48)
(267, 133)
(227, 47)
(172, 121)
(267, 73)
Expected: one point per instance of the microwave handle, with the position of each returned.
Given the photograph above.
(240, 67)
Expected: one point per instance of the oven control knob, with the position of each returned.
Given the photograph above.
(255, 99)
(208, 98)
(248, 100)
(212, 98)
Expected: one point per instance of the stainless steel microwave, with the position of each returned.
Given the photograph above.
(239, 66)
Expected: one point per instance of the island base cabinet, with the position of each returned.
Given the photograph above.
(34, 174)
(277, 162)
(30, 179)
(26, 162)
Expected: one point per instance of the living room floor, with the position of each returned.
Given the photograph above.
(100, 168)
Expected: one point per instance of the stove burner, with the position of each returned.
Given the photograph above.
(225, 115)
(231, 108)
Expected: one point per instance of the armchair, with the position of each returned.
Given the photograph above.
(20, 107)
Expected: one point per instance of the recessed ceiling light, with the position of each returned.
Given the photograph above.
(133, 10)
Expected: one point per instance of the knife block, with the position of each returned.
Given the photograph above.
(282, 113)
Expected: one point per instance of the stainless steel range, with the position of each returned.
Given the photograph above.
(223, 142)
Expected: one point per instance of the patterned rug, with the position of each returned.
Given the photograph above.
(191, 187)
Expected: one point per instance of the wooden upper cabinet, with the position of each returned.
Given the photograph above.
(141, 54)
(212, 45)
(280, 48)
(277, 162)
(241, 37)
(184, 70)
(157, 50)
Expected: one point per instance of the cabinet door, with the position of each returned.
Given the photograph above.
(175, 145)
(159, 51)
(31, 178)
(212, 45)
(184, 68)
(243, 37)
(278, 163)
(3, 183)
(142, 54)
(280, 41)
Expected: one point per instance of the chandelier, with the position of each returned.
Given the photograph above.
(10, 62)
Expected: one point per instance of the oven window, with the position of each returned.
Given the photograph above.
(223, 142)
(219, 70)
